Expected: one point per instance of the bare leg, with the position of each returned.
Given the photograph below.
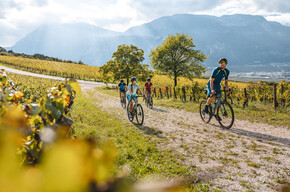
(210, 100)
(131, 106)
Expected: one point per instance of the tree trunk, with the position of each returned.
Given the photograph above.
(175, 80)
(275, 97)
(127, 82)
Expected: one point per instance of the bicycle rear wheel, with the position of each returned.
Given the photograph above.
(123, 102)
(130, 115)
(206, 117)
(139, 114)
(151, 102)
(226, 115)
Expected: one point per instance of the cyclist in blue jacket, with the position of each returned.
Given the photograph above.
(213, 85)
(122, 87)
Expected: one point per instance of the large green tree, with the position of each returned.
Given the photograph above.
(125, 63)
(177, 57)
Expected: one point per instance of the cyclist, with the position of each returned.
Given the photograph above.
(148, 86)
(132, 92)
(213, 85)
(122, 88)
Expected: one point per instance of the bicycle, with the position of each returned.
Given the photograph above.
(149, 101)
(137, 110)
(221, 110)
(123, 100)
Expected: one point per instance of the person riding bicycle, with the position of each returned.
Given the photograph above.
(148, 87)
(132, 92)
(213, 85)
(122, 88)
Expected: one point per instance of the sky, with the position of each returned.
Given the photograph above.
(20, 17)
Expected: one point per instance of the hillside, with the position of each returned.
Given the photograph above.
(251, 43)
(60, 69)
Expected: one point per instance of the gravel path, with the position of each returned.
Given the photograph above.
(248, 157)
(97, 84)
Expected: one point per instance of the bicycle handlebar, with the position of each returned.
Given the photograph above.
(137, 96)
(224, 90)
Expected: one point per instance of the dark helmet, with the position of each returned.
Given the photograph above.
(223, 59)
(133, 79)
(122, 81)
(148, 79)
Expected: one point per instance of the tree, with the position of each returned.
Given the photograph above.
(2, 49)
(125, 63)
(177, 57)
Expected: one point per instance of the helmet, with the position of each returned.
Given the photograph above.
(133, 79)
(223, 59)
(122, 81)
(148, 79)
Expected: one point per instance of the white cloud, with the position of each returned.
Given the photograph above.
(19, 17)
(281, 18)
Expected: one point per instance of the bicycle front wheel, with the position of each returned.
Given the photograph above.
(146, 101)
(206, 117)
(130, 115)
(226, 115)
(139, 114)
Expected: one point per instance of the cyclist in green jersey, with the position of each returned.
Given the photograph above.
(132, 92)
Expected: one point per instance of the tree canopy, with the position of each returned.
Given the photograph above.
(125, 63)
(2, 49)
(177, 57)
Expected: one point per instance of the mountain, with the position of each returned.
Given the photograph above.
(251, 43)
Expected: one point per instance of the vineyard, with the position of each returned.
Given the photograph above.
(35, 127)
(61, 69)
(32, 107)
(242, 93)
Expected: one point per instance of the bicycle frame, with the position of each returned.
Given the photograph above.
(148, 96)
(136, 103)
(220, 109)
(218, 103)
(123, 95)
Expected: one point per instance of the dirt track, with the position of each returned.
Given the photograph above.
(249, 156)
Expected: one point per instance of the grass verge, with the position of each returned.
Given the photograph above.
(256, 111)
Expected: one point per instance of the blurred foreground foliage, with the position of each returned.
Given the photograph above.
(38, 151)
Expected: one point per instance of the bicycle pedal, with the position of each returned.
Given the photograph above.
(218, 118)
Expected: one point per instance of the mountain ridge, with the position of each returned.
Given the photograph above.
(246, 40)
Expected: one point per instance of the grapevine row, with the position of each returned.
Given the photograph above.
(259, 91)
(61, 69)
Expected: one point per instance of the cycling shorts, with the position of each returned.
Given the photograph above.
(149, 91)
(216, 88)
(129, 98)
